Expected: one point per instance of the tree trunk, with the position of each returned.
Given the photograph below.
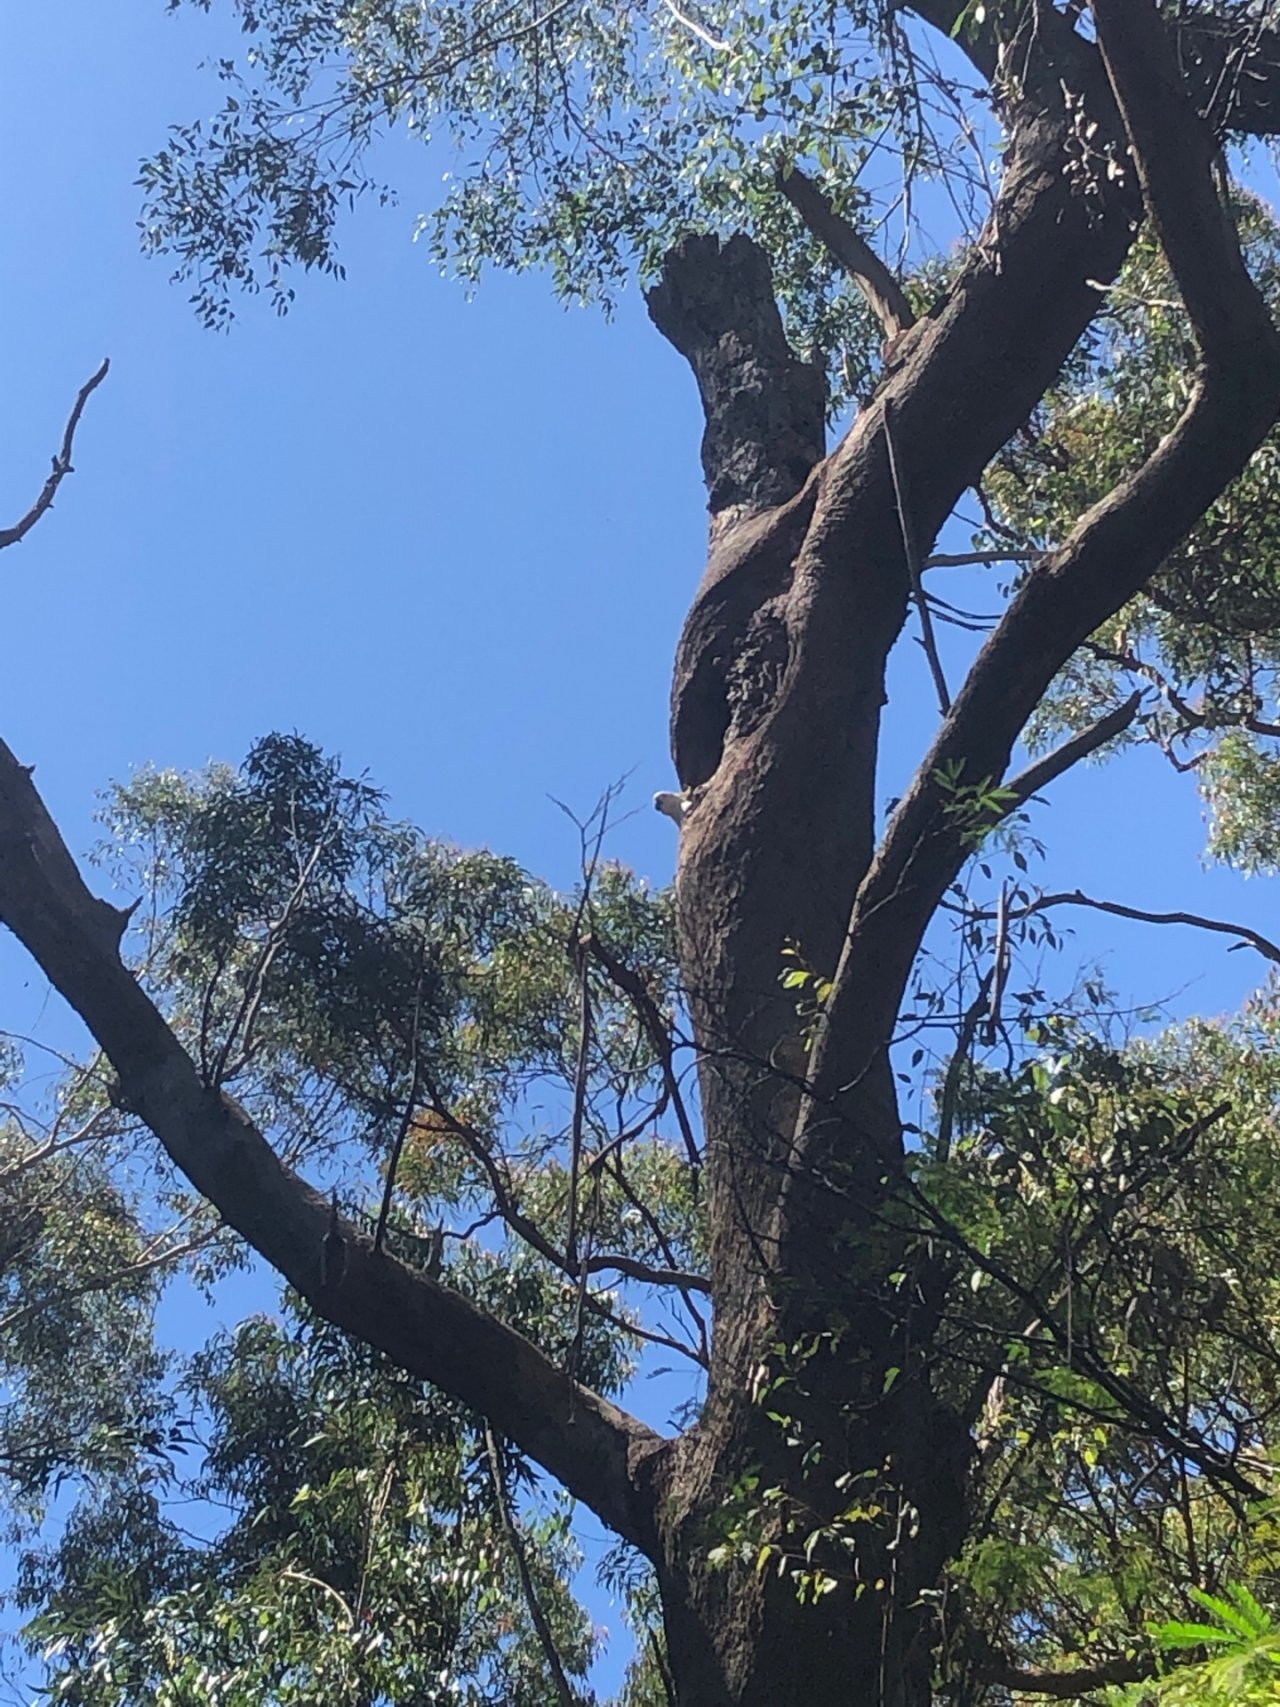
(801, 1529)
(807, 1521)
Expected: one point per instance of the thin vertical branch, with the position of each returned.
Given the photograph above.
(911, 551)
(410, 1107)
(537, 1616)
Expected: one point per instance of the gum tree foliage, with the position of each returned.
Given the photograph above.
(368, 1537)
(989, 1354)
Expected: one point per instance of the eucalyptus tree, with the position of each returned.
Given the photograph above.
(872, 1298)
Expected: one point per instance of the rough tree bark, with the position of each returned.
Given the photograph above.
(779, 686)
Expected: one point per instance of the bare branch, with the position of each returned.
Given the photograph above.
(690, 23)
(847, 246)
(1245, 934)
(635, 1270)
(528, 1589)
(911, 552)
(589, 1444)
(1000, 961)
(956, 1065)
(62, 465)
(961, 559)
(520, 1224)
(407, 1113)
(1079, 746)
(1231, 66)
(1193, 718)
(659, 1035)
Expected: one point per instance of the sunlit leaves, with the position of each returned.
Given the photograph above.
(359, 1553)
(580, 139)
(1117, 1204)
(1203, 637)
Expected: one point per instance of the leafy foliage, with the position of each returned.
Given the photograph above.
(79, 1279)
(1202, 637)
(364, 1557)
(1242, 1637)
(581, 139)
(1111, 1209)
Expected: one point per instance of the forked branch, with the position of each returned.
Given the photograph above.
(1113, 551)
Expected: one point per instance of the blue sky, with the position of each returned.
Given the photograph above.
(452, 540)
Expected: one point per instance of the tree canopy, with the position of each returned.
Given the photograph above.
(973, 1278)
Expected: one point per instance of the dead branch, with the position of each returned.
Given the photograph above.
(62, 465)
(850, 249)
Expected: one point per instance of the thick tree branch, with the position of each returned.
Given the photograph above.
(61, 463)
(1176, 155)
(595, 1449)
(850, 249)
(1113, 551)
(780, 674)
(764, 408)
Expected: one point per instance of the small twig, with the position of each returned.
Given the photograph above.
(532, 1235)
(62, 465)
(410, 1107)
(912, 554)
(673, 1274)
(1126, 660)
(850, 249)
(333, 1249)
(659, 1656)
(252, 995)
(579, 1098)
(632, 985)
(960, 1056)
(148, 1263)
(290, 1574)
(694, 28)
